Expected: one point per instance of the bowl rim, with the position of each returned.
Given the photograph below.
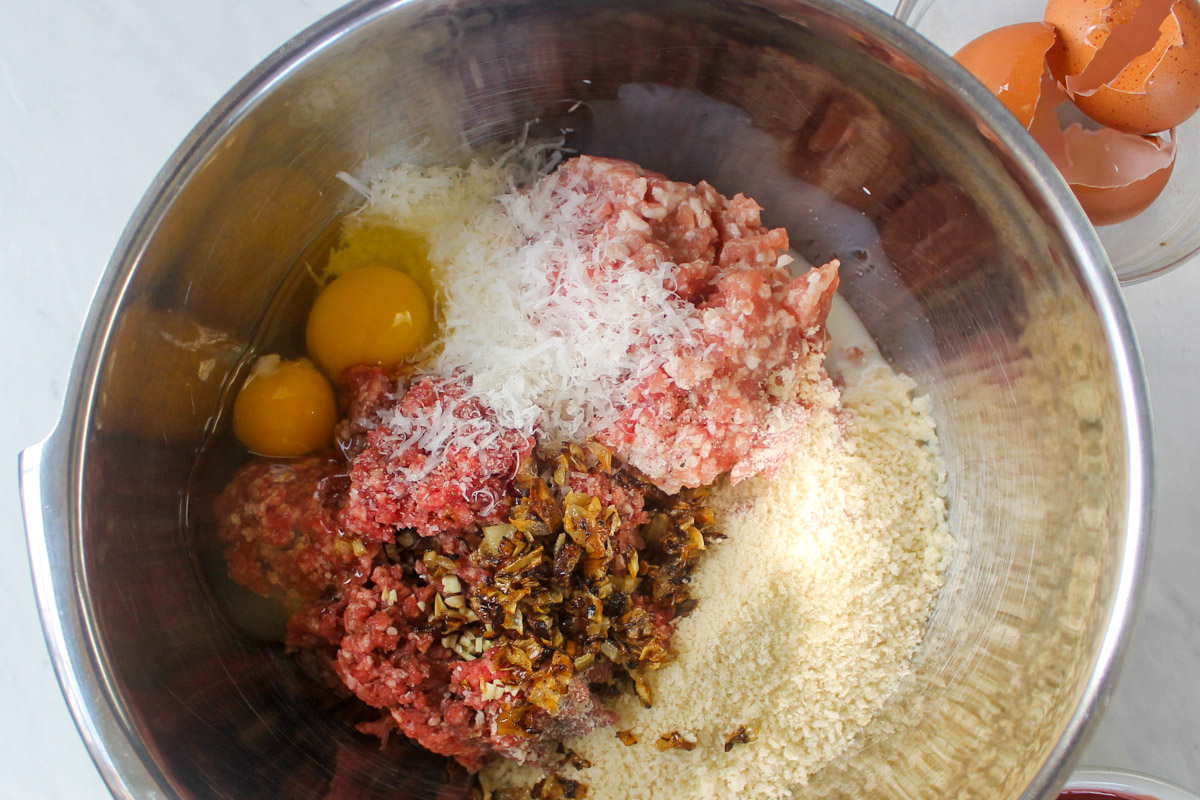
(51, 491)
(1131, 782)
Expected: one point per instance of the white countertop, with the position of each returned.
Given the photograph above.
(96, 94)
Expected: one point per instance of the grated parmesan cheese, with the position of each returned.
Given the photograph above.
(437, 430)
(548, 333)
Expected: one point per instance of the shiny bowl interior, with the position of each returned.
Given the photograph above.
(962, 252)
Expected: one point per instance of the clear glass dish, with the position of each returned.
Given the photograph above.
(1133, 784)
(1159, 239)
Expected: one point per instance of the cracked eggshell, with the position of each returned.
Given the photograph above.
(1133, 65)
(1116, 176)
(1010, 61)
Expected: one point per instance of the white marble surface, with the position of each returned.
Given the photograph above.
(94, 96)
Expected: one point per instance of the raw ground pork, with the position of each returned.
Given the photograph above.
(725, 401)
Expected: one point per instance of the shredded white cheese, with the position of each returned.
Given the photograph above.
(548, 338)
(436, 430)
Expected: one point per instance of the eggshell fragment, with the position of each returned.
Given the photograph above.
(1010, 62)
(1133, 65)
(1045, 127)
(1116, 176)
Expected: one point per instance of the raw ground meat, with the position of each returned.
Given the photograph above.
(645, 220)
(390, 660)
(379, 642)
(278, 525)
(366, 390)
(436, 462)
(452, 629)
(731, 402)
(387, 656)
(629, 503)
(370, 623)
(727, 402)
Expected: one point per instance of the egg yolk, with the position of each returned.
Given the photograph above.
(285, 408)
(370, 315)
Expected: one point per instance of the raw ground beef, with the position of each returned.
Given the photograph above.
(725, 402)
(370, 622)
(386, 654)
(277, 522)
(379, 642)
(366, 390)
(629, 503)
(390, 660)
(436, 461)
(474, 591)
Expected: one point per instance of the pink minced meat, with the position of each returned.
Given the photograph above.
(436, 461)
(727, 402)
(730, 403)
(277, 521)
(388, 660)
(387, 657)
(365, 391)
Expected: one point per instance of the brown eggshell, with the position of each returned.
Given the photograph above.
(1045, 127)
(1116, 176)
(1133, 65)
(1085, 27)
(1009, 61)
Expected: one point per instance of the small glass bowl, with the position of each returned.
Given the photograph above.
(1130, 784)
(1162, 237)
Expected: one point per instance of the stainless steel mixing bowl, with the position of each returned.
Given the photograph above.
(963, 253)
